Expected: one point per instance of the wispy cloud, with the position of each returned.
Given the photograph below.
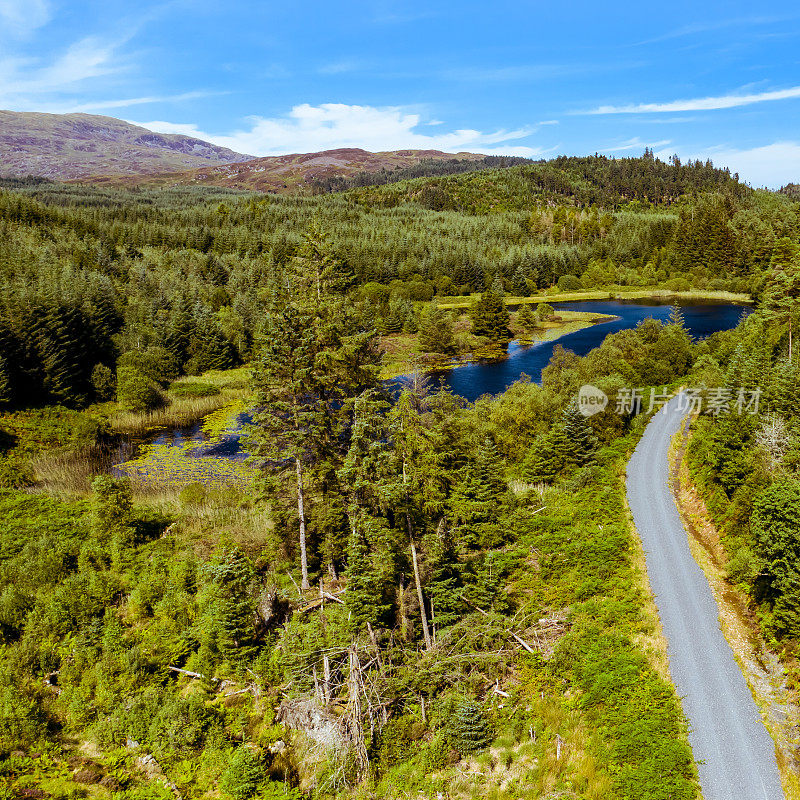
(101, 105)
(339, 67)
(29, 82)
(533, 72)
(634, 144)
(308, 129)
(19, 18)
(710, 26)
(699, 103)
(772, 165)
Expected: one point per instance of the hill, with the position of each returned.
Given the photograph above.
(288, 172)
(70, 146)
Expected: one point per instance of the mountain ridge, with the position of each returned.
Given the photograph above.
(76, 146)
(287, 172)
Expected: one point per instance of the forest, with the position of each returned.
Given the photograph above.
(416, 595)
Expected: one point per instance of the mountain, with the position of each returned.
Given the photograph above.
(75, 146)
(287, 172)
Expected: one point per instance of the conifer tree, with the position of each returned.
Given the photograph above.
(490, 316)
(469, 729)
(526, 318)
(435, 330)
(579, 441)
(364, 596)
(316, 356)
(232, 575)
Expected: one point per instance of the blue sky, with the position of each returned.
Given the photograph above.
(710, 80)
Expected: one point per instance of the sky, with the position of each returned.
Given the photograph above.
(718, 80)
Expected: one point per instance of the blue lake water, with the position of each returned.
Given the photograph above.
(472, 380)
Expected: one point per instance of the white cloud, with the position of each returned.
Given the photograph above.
(700, 103)
(21, 17)
(772, 165)
(308, 129)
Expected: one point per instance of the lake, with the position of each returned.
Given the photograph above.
(702, 319)
(183, 455)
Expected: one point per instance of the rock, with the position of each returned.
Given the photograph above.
(147, 763)
(277, 747)
(317, 723)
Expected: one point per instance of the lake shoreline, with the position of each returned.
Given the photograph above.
(713, 295)
(498, 351)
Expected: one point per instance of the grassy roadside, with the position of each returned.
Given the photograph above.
(605, 293)
(762, 668)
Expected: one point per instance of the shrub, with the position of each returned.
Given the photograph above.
(193, 494)
(157, 363)
(244, 775)
(15, 473)
(104, 382)
(136, 391)
(568, 283)
(113, 502)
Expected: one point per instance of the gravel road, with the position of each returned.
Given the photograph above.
(735, 754)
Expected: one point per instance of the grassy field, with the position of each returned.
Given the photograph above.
(607, 293)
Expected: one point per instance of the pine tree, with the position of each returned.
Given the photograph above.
(435, 330)
(490, 316)
(316, 357)
(244, 774)
(444, 583)
(364, 596)
(232, 575)
(580, 443)
(469, 729)
(543, 463)
(526, 318)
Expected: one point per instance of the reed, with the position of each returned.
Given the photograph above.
(67, 471)
(180, 413)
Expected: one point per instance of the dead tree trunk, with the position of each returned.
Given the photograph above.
(422, 613)
(302, 514)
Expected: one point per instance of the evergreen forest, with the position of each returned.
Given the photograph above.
(401, 593)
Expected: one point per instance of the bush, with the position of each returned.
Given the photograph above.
(193, 389)
(157, 363)
(678, 285)
(136, 391)
(244, 775)
(568, 283)
(104, 383)
(15, 473)
(193, 494)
